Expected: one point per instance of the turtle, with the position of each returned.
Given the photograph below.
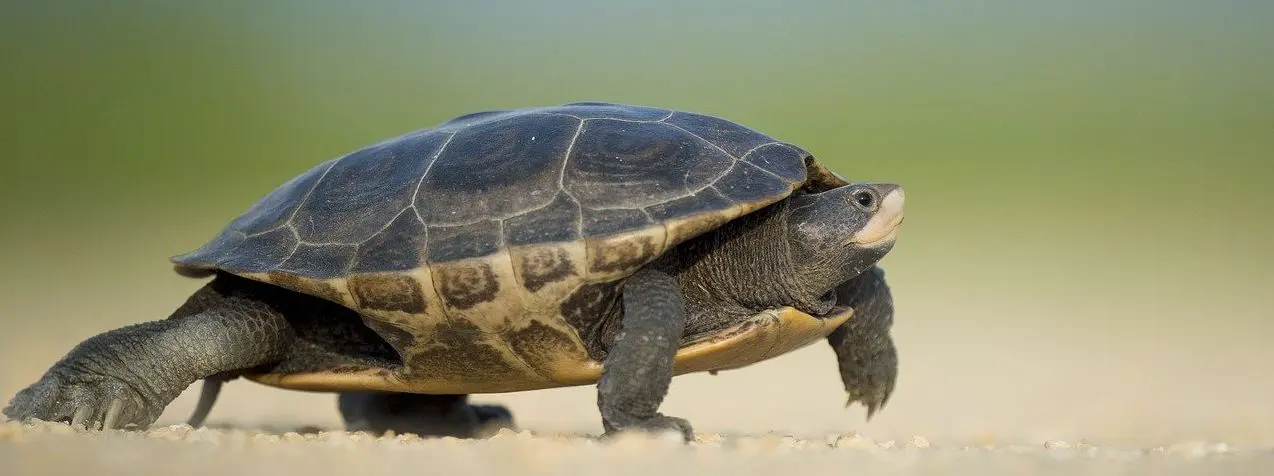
(586, 243)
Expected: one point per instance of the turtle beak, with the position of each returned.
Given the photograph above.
(882, 228)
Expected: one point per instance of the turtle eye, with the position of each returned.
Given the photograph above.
(865, 199)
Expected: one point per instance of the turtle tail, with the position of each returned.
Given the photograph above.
(207, 398)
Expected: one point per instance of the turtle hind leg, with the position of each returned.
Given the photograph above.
(126, 377)
(423, 415)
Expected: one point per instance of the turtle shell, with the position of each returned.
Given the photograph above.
(497, 223)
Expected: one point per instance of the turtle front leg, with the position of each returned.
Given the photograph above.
(126, 377)
(638, 367)
(423, 415)
(864, 349)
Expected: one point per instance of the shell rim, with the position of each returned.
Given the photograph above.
(818, 178)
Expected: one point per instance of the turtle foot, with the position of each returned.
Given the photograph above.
(658, 424)
(83, 400)
(422, 415)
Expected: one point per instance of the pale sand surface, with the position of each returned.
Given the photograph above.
(42, 449)
(783, 416)
(990, 374)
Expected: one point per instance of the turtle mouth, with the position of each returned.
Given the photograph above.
(883, 227)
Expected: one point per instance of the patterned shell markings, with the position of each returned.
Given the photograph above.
(478, 183)
(481, 212)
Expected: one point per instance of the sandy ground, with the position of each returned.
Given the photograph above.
(780, 416)
(56, 449)
(993, 380)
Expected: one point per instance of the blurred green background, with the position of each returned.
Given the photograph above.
(1089, 216)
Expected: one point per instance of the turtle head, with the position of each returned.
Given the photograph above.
(838, 234)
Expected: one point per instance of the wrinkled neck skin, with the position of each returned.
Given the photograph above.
(823, 270)
(751, 264)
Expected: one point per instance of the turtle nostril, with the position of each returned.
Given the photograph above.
(864, 199)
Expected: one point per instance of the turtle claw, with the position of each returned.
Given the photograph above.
(81, 417)
(659, 424)
(874, 401)
(113, 413)
(84, 401)
(872, 408)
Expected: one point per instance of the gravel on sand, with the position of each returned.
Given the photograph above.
(44, 448)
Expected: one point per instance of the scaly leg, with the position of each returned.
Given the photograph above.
(638, 367)
(864, 349)
(126, 377)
